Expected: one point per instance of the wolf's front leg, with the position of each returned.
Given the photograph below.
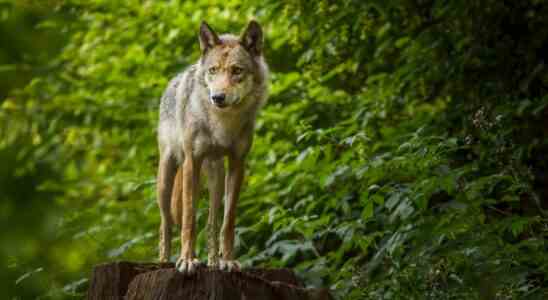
(166, 175)
(187, 263)
(234, 183)
(216, 184)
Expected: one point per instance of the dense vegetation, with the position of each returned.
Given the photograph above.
(402, 154)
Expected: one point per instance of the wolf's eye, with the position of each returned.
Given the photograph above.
(212, 70)
(237, 70)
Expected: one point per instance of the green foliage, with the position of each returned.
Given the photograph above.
(400, 156)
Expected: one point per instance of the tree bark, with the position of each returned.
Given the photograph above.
(111, 280)
(144, 281)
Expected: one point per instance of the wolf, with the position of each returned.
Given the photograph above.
(207, 114)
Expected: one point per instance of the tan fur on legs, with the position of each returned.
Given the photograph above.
(177, 198)
(166, 175)
(234, 183)
(215, 179)
(191, 182)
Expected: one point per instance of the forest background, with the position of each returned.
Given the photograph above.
(402, 154)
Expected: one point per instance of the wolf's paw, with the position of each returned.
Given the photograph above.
(187, 266)
(229, 265)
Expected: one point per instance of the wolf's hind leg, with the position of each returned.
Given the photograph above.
(215, 170)
(177, 198)
(166, 175)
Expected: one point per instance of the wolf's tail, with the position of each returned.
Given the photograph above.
(177, 198)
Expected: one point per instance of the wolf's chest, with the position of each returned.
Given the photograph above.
(225, 133)
(218, 138)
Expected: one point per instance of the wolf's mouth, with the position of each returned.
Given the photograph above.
(220, 105)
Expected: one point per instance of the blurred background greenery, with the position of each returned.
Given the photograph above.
(402, 154)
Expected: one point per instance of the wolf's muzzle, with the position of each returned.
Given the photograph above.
(219, 99)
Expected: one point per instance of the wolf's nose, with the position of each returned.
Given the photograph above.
(218, 98)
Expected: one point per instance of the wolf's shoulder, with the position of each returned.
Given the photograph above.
(178, 88)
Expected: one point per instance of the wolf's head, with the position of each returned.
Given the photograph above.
(231, 64)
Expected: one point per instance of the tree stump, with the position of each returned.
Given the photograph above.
(144, 281)
(111, 280)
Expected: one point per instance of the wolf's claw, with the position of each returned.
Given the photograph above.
(229, 265)
(187, 266)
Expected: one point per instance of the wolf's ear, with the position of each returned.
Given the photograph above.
(208, 37)
(252, 39)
